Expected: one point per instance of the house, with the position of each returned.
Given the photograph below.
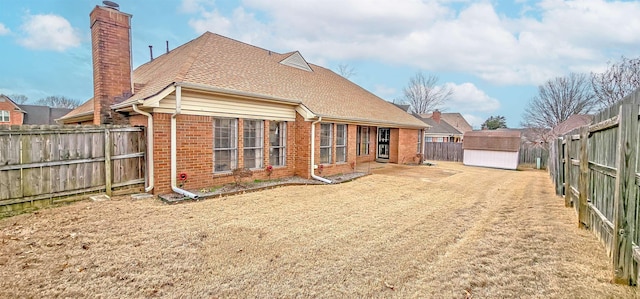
(444, 127)
(17, 114)
(492, 148)
(573, 122)
(216, 104)
(10, 112)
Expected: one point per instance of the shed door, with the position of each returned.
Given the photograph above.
(384, 135)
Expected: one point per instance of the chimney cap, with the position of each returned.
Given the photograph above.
(111, 4)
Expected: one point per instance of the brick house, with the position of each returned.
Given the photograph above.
(10, 112)
(216, 104)
(444, 127)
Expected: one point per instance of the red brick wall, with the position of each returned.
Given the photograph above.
(393, 146)
(15, 117)
(195, 153)
(302, 147)
(111, 45)
(407, 146)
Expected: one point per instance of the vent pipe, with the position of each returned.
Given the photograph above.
(151, 52)
(167, 47)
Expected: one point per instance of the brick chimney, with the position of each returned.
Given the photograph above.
(111, 50)
(436, 115)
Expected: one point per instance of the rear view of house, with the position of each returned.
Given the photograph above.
(216, 104)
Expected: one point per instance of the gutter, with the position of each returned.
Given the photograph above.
(313, 152)
(150, 174)
(174, 146)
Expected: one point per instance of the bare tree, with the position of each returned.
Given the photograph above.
(58, 102)
(618, 81)
(557, 100)
(424, 95)
(346, 70)
(19, 98)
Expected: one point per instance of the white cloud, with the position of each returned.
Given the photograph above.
(384, 91)
(468, 98)
(4, 30)
(48, 32)
(436, 36)
(474, 120)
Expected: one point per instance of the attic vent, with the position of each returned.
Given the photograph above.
(296, 60)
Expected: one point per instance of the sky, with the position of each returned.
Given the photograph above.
(492, 54)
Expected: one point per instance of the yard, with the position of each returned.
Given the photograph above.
(405, 231)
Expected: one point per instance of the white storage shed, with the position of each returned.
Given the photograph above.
(492, 148)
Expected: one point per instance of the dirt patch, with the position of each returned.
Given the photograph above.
(468, 231)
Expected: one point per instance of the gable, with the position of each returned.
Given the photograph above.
(296, 60)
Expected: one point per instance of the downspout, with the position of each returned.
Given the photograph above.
(150, 173)
(174, 146)
(313, 152)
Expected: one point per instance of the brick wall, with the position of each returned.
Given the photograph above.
(195, 153)
(15, 117)
(111, 50)
(393, 145)
(407, 146)
(302, 147)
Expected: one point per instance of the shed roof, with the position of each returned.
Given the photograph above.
(492, 140)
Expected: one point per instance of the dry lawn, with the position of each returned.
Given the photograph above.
(442, 232)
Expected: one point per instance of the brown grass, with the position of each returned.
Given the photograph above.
(444, 231)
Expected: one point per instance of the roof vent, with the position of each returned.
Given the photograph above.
(111, 4)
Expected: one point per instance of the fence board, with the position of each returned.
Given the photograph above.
(40, 162)
(443, 151)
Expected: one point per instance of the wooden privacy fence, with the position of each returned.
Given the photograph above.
(443, 151)
(530, 154)
(40, 164)
(596, 168)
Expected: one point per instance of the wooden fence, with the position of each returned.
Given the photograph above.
(42, 164)
(596, 169)
(533, 154)
(443, 151)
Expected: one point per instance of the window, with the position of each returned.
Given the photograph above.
(225, 153)
(419, 141)
(341, 143)
(428, 139)
(278, 143)
(326, 134)
(253, 132)
(4, 116)
(362, 141)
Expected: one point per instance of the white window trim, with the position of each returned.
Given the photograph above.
(259, 148)
(234, 141)
(330, 146)
(282, 126)
(3, 114)
(344, 145)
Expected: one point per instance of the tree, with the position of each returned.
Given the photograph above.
(619, 80)
(494, 122)
(557, 100)
(19, 98)
(346, 70)
(58, 102)
(424, 95)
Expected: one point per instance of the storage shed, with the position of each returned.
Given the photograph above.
(492, 148)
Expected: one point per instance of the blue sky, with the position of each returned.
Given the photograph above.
(493, 54)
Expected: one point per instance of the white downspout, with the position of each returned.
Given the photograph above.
(313, 152)
(150, 182)
(174, 146)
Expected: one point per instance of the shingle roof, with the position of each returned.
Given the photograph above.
(42, 115)
(85, 109)
(454, 119)
(573, 122)
(216, 61)
(493, 140)
(441, 127)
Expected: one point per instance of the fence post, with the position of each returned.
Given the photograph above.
(107, 161)
(625, 197)
(567, 170)
(559, 166)
(583, 182)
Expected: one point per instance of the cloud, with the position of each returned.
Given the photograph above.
(384, 91)
(4, 30)
(547, 39)
(48, 32)
(468, 98)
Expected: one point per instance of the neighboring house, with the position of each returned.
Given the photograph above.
(492, 148)
(573, 122)
(16, 114)
(42, 115)
(10, 112)
(216, 104)
(444, 127)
